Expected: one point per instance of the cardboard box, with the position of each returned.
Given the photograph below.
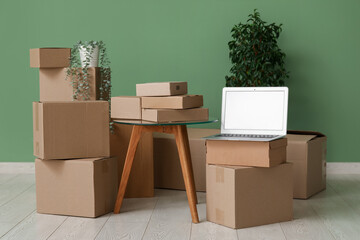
(167, 168)
(141, 180)
(55, 86)
(64, 130)
(240, 197)
(76, 187)
(246, 153)
(307, 151)
(173, 102)
(49, 57)
(126, 107)
(161, 89)
(175, 115)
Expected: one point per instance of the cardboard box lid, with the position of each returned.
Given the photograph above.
(272, 144)
(303, 136)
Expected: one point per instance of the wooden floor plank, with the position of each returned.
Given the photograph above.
(169, 230)
(122, 230)
(339, 218)
(35, 226)
(4, 177)
(306, 224)
(15, 186)
(20, 207)
(74, 228)
(268, 232)
(208, 230)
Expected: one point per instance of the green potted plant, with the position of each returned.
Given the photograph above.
(85, 54)
(256, 57)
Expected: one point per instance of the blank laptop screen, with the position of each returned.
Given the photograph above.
(255, 110)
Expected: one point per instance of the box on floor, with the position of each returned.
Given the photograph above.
(63, 130)
(76, 187)
(175, 115)
(141, 180)
(240, 197)
(307, 151)
(56, 86)
(126, 107)
(49, 57)
(161, 89)
(173, 102)
(167, 166)
(246, 153)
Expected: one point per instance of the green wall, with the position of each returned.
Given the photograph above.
(162, 40)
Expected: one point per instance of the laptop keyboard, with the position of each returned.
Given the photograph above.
(247, 136)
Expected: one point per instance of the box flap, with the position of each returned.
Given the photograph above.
(300, 138)
(278, 143)
(318, 134)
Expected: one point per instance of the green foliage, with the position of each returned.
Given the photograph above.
(256, 57)
(79, 74)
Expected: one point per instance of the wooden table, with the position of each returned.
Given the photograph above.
(182, 141)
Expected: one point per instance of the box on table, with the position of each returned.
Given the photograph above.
(76, 187)
(126, 107)
(167, 166)
(307, 151)
(56, 86)
(141, 180)
(175, 115)
(173, 102)
(50, 57)
(246, 153)
(64, 130)
(240, 197)
(161, 89)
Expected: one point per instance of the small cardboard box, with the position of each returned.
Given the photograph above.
(307, 151)
(141, 180)
(175, 115)
(76, 187)
(167, 166)
(49, 57)
(55, 86)
(126, 107)
(161, 89)
(173, 102)
(240, 197)
(64, 130)
(246, 153)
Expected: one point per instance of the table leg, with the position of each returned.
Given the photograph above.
(134, 141)
(182, 143)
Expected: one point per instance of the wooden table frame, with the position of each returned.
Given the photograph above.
(182, 142)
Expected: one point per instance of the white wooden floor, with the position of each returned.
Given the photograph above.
(332, 214)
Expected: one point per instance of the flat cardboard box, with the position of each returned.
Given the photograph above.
(64, 130)
(56, 86)
(161, 89)
(76, 187)
(141, 180)
(307, 151)
(126, 107)
(246, 153)
(240, 197)
(167, 168)
(173, 102)
(50, 57)
(175, 115)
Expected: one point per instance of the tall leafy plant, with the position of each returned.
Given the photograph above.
(256, 57)
(79, 72)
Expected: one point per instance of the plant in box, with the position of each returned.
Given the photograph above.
(255, 54)
(84, 55)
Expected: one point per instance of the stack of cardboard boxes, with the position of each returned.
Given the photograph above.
(160, 102)
(75, 174)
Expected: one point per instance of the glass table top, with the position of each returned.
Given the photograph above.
(148, 123)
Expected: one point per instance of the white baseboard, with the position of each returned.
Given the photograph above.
(29, 167)
(17, 167)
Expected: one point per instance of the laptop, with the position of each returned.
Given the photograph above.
(253, 114)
